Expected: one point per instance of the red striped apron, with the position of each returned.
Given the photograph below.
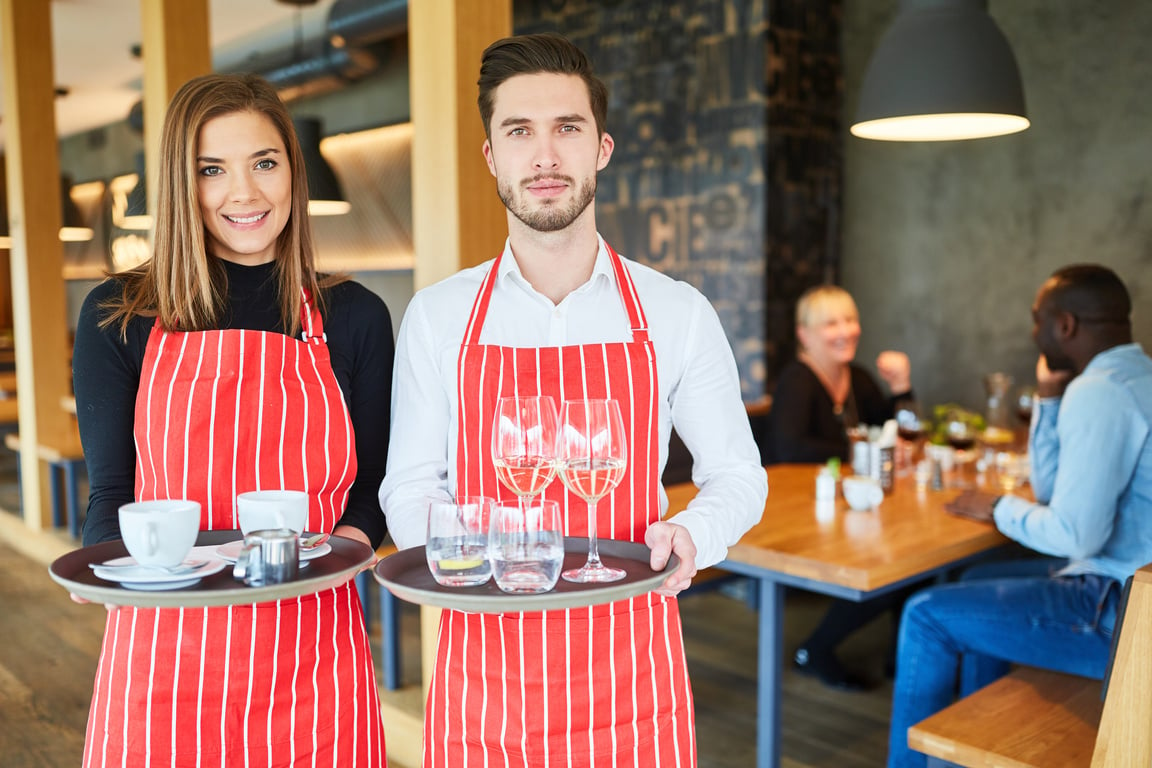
(605, 685)
(279, 683)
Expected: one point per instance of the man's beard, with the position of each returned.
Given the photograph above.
(550, 217)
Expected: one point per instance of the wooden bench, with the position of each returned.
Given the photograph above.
(1039, 719)
(65, 459)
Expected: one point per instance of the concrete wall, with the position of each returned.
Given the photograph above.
(945, 244)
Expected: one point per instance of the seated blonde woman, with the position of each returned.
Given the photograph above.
(818, 397)
(823, 393)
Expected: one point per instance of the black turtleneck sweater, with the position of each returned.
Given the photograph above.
(106, 376)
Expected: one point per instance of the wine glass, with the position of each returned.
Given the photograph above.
(909, 428)
(593, 456)
(961, 435)
(1025, 397)
(524, 444)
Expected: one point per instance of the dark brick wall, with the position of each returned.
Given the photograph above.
(696, 188)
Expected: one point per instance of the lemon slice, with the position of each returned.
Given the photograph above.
(460, 565)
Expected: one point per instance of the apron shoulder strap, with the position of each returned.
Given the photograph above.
(636, 318)
(480, 305)
(311, 323)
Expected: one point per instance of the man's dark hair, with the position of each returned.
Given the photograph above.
(1091, 292)
(535, 54)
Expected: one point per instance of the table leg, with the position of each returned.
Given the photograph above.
(770, 677)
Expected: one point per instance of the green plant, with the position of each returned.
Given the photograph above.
(946, 412)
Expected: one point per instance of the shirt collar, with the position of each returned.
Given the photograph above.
(1120, 350)
(510, 271)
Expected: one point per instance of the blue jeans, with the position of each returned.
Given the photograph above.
(1000, 614)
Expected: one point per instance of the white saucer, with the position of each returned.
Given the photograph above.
(145, 578)
(231, 551)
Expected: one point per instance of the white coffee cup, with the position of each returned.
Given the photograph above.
(261, 510)
(161, 532)
(862, 492)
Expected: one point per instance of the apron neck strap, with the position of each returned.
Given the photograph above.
(637, 321)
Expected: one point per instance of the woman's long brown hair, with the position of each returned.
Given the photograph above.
(182, 283)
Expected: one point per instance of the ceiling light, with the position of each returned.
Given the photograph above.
(325, 198)
(942, 71)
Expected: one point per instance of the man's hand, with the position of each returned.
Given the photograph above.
(664, 539)
(974, 505)
(1050, 383)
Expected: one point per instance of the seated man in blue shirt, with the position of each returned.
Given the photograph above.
(1092, 478)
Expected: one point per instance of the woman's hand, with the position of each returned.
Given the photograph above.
(354, 533)
(85, 601)
(667, 538)
(896, 371)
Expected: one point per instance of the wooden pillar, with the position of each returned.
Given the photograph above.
(457, 219)
(38, 297)
(176, 47)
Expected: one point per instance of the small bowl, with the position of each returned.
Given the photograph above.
(862, 492)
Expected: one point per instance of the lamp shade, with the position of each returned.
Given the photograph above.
(325, 197)
(942, 71)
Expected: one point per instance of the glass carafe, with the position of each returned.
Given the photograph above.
(997, 387)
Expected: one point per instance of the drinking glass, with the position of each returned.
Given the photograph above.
(457, 548)
(1012, 470)
(961, 434)
(910, 429)
(1025, 397)
(524, 444)
(593, 455)
(526, 545)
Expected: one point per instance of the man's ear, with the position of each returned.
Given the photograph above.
(487, 152)
(1066, 325)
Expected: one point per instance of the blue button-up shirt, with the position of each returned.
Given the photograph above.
(1091, 470)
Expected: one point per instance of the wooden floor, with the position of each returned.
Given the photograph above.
(49, 647)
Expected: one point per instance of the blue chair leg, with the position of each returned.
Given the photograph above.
(72, 489)
(363, 579)
(57, 503)
(390, 638)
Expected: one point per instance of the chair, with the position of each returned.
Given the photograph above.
(1043, 719)
(65, 461)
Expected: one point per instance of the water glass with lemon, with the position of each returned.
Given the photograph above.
(457, 547)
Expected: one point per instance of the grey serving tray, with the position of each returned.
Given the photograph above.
(405, 574)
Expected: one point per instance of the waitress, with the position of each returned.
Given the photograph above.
(226, 364)
(559, 313)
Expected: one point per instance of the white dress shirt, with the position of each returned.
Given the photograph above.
(699, 390)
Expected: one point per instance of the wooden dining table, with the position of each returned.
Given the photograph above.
(837, 551)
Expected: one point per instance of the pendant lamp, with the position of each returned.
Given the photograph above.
(942, 71)
(325, 197)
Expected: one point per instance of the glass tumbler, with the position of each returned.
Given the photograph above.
(457, 548)
(526, 544)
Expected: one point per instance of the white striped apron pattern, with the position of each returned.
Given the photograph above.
(605, 685)
(280, 683)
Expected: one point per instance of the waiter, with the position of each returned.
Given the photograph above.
(560, 312)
